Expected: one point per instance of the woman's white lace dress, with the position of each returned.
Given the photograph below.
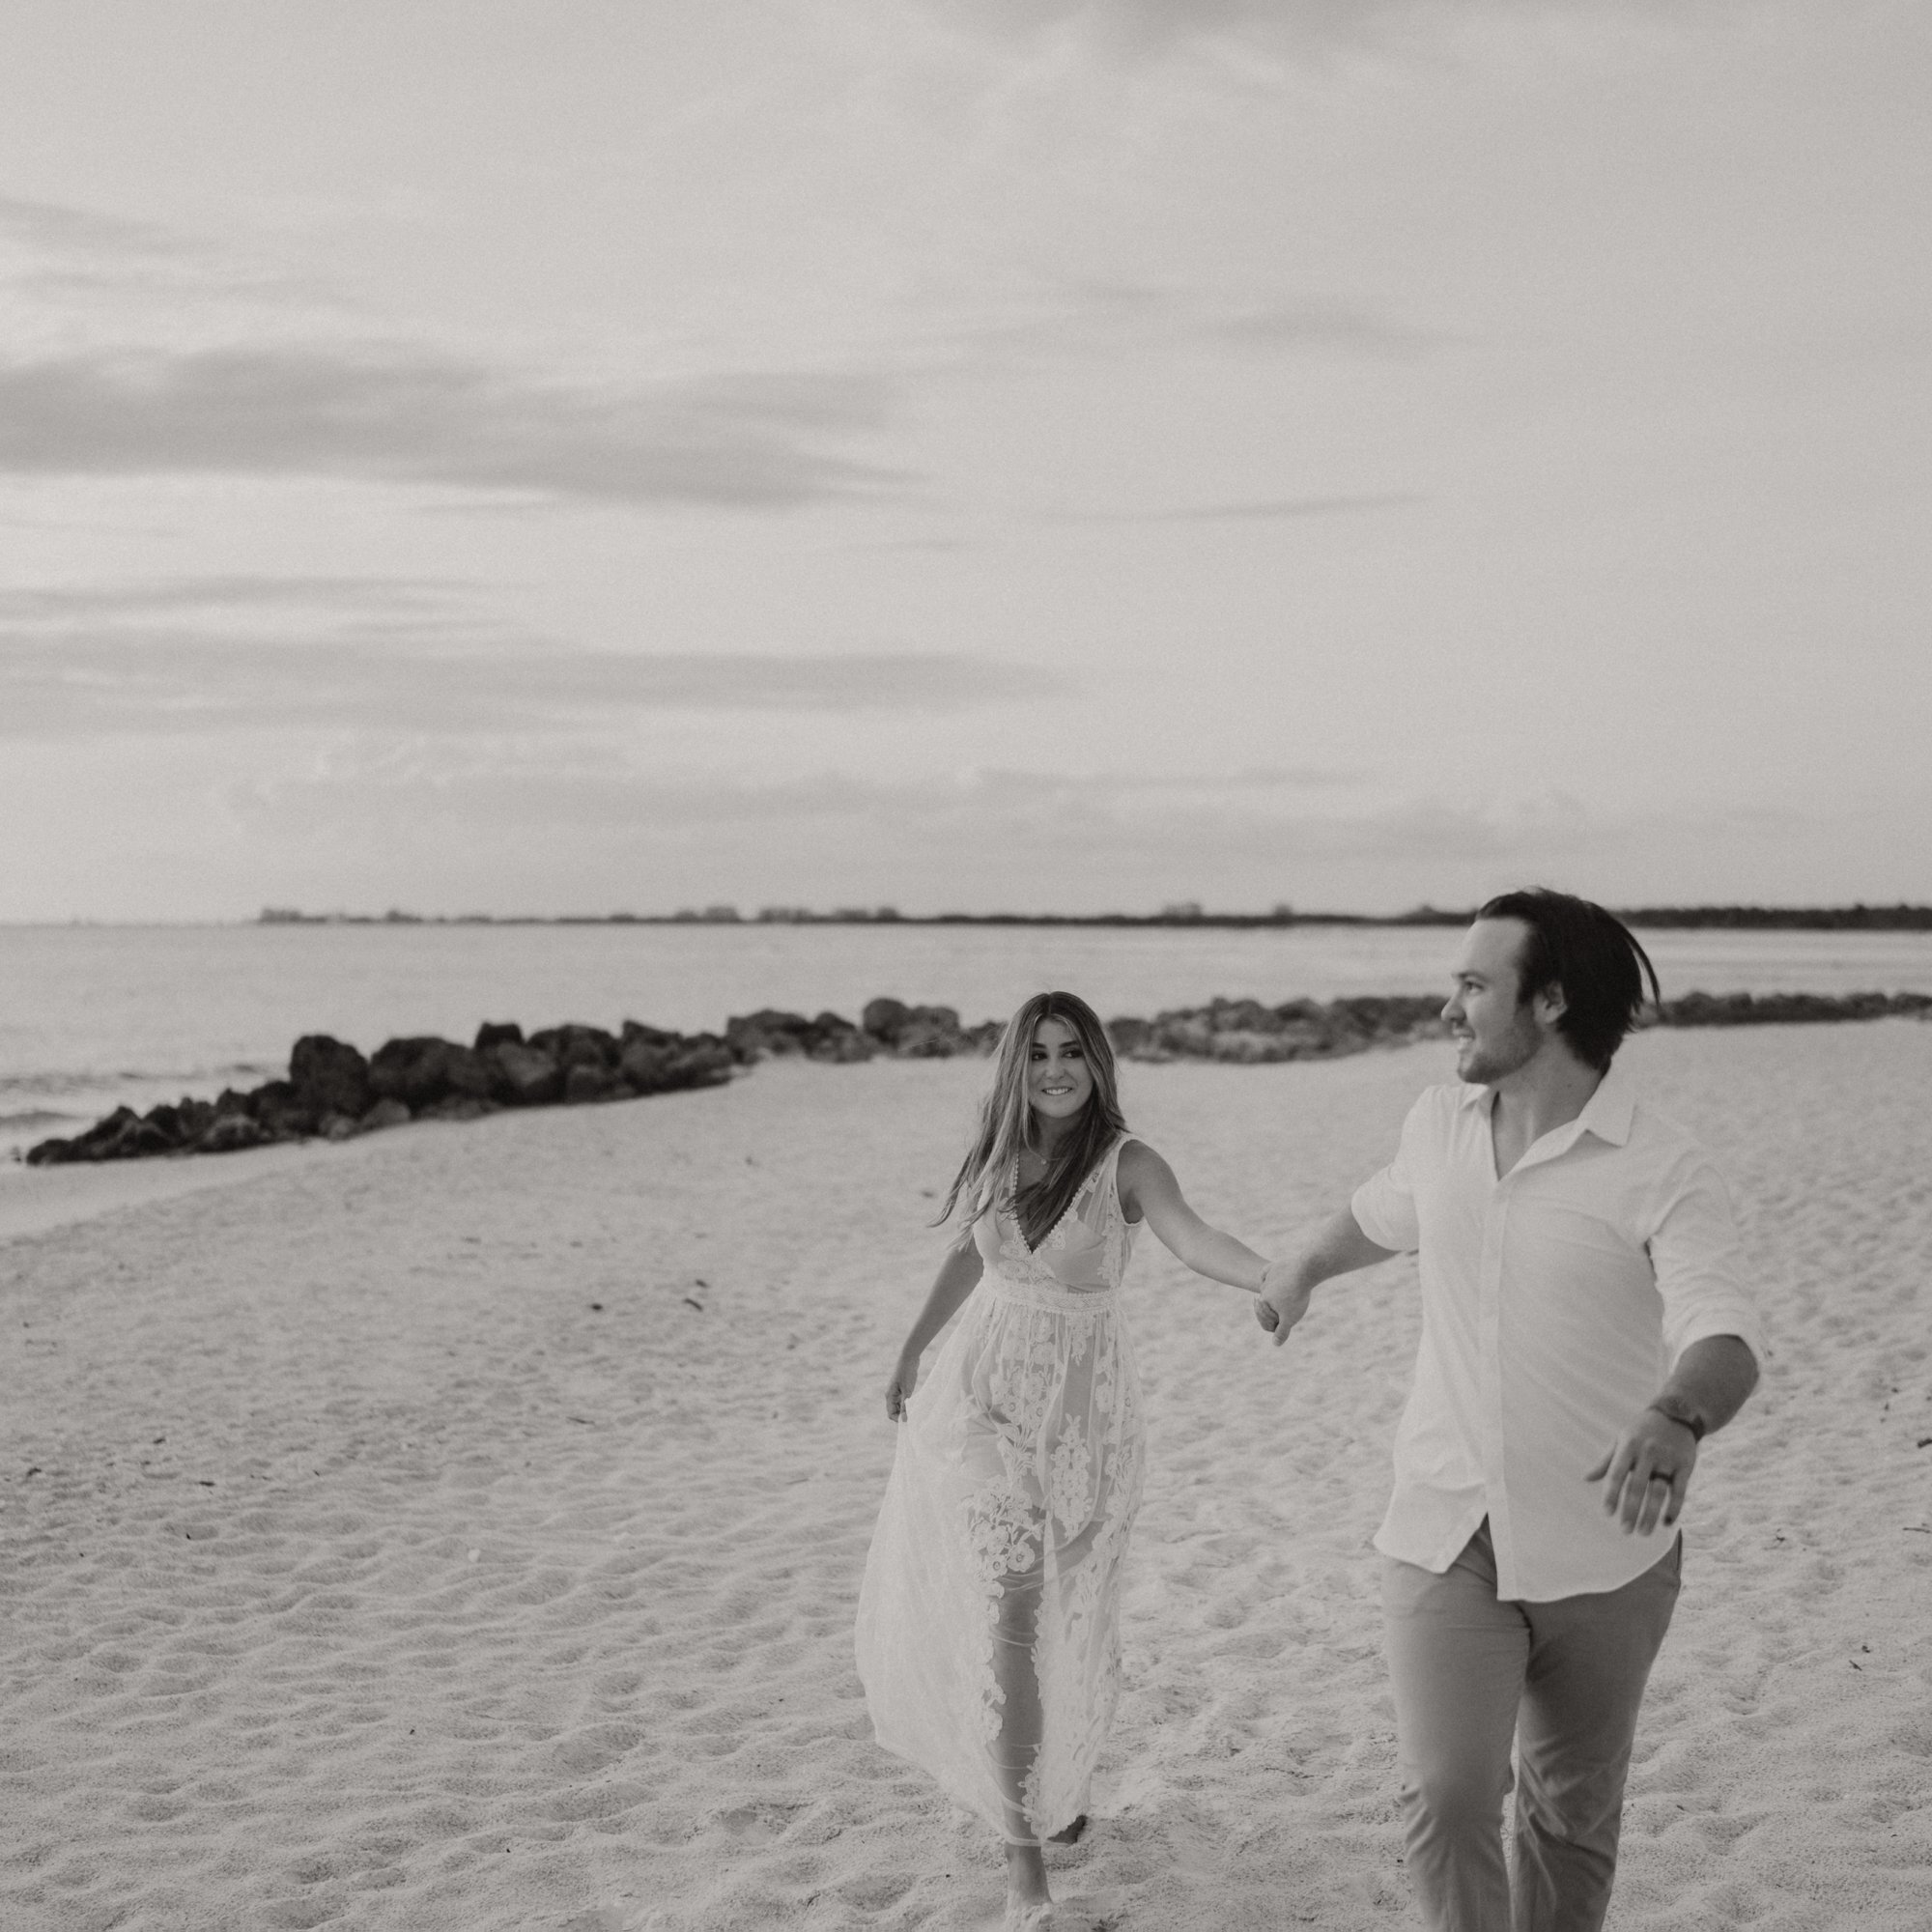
(988, 1635)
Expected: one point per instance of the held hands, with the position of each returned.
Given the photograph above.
(906, 1377)
(1282, 1300)
(1646, 1475)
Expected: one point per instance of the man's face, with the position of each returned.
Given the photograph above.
(1495, 1031)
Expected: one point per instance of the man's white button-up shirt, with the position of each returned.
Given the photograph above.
(1555, 1300)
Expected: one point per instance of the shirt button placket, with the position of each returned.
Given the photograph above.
(1490, 1283)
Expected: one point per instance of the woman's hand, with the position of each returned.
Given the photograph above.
(905, 1379)
(1282, 1300)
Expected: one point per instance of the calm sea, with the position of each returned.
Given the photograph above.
(95, 1017)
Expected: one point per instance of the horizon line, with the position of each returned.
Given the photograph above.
(1857, 914)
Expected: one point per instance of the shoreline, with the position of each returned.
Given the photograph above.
(334, 1092)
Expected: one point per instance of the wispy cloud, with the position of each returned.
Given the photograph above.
(55, 228)
(1315, 323)
(952, 810)
(69, 602)
(1138, 27)
(490, 820)
(1082, 318)
(1272, 509)
(431, 676)
(413, 415)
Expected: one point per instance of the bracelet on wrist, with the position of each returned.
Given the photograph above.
(1696, 1424)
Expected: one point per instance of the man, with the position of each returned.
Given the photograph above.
(1584, 1327)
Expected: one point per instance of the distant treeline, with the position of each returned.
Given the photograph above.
(1856, 918)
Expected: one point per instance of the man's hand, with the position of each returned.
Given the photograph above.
(1282, 1300)
(1647, 1474)
(906, 1377)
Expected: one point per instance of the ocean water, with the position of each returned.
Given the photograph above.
(95, 1017)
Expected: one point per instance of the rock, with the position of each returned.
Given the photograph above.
(497, 1033)
(750, 1036)
(634, 1031)
(576, 1046)
(829, 1036)
(1242, 1046)
(230, 1133)
(583, 1082)
(422, 1071)
(917, 1033)
(385, 1113)
(54, 1152)
(929, 1033)
(642, 1066)
(701, 1060)
(1244, 1031)
(393, 1064)
(106, 1134)
(122, 1136)
(833, 1038)
(277, 1109)
(883, 1019)
(465, 1073)
(1184, 1034)
(522, 1076)
(330, 1077)
(1248, 1016)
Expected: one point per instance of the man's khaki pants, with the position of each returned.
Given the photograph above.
(1565, 1678)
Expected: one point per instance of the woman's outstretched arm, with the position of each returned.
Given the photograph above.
(957, 1277)
(1149, 1192)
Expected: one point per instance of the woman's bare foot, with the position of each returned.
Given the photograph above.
(1029, 1903)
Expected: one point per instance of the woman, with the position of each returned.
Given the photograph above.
(988, 1633)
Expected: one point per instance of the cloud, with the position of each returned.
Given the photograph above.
(753, 440)
(1154, 24)
(1143, 27)
(1313, 322)
(495, 827)
(1271, 509)
(1083, 319)
(429, 676)
(64, 604)
(1109, 813)
(54, 228)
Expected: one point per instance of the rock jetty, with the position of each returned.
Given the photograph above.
(332, 1092)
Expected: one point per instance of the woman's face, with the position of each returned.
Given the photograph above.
(1059, 1080)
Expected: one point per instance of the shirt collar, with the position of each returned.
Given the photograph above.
(1607, 1112)
(1611, 1108)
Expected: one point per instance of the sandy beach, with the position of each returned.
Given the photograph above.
(460, 1528)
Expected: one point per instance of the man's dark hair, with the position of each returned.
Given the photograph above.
(1592, 956)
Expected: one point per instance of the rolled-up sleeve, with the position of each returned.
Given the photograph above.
(1698, 1263)
(1384, 1205)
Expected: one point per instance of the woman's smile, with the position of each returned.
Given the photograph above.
(1059, 1080)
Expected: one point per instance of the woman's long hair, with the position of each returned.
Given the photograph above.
(1007, 1123)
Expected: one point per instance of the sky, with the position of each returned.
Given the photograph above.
(1029, 455)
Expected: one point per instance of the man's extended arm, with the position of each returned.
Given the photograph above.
(1706, 1388)
(1338, 1247)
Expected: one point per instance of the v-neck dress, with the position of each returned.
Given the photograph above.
(1014, 1485)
